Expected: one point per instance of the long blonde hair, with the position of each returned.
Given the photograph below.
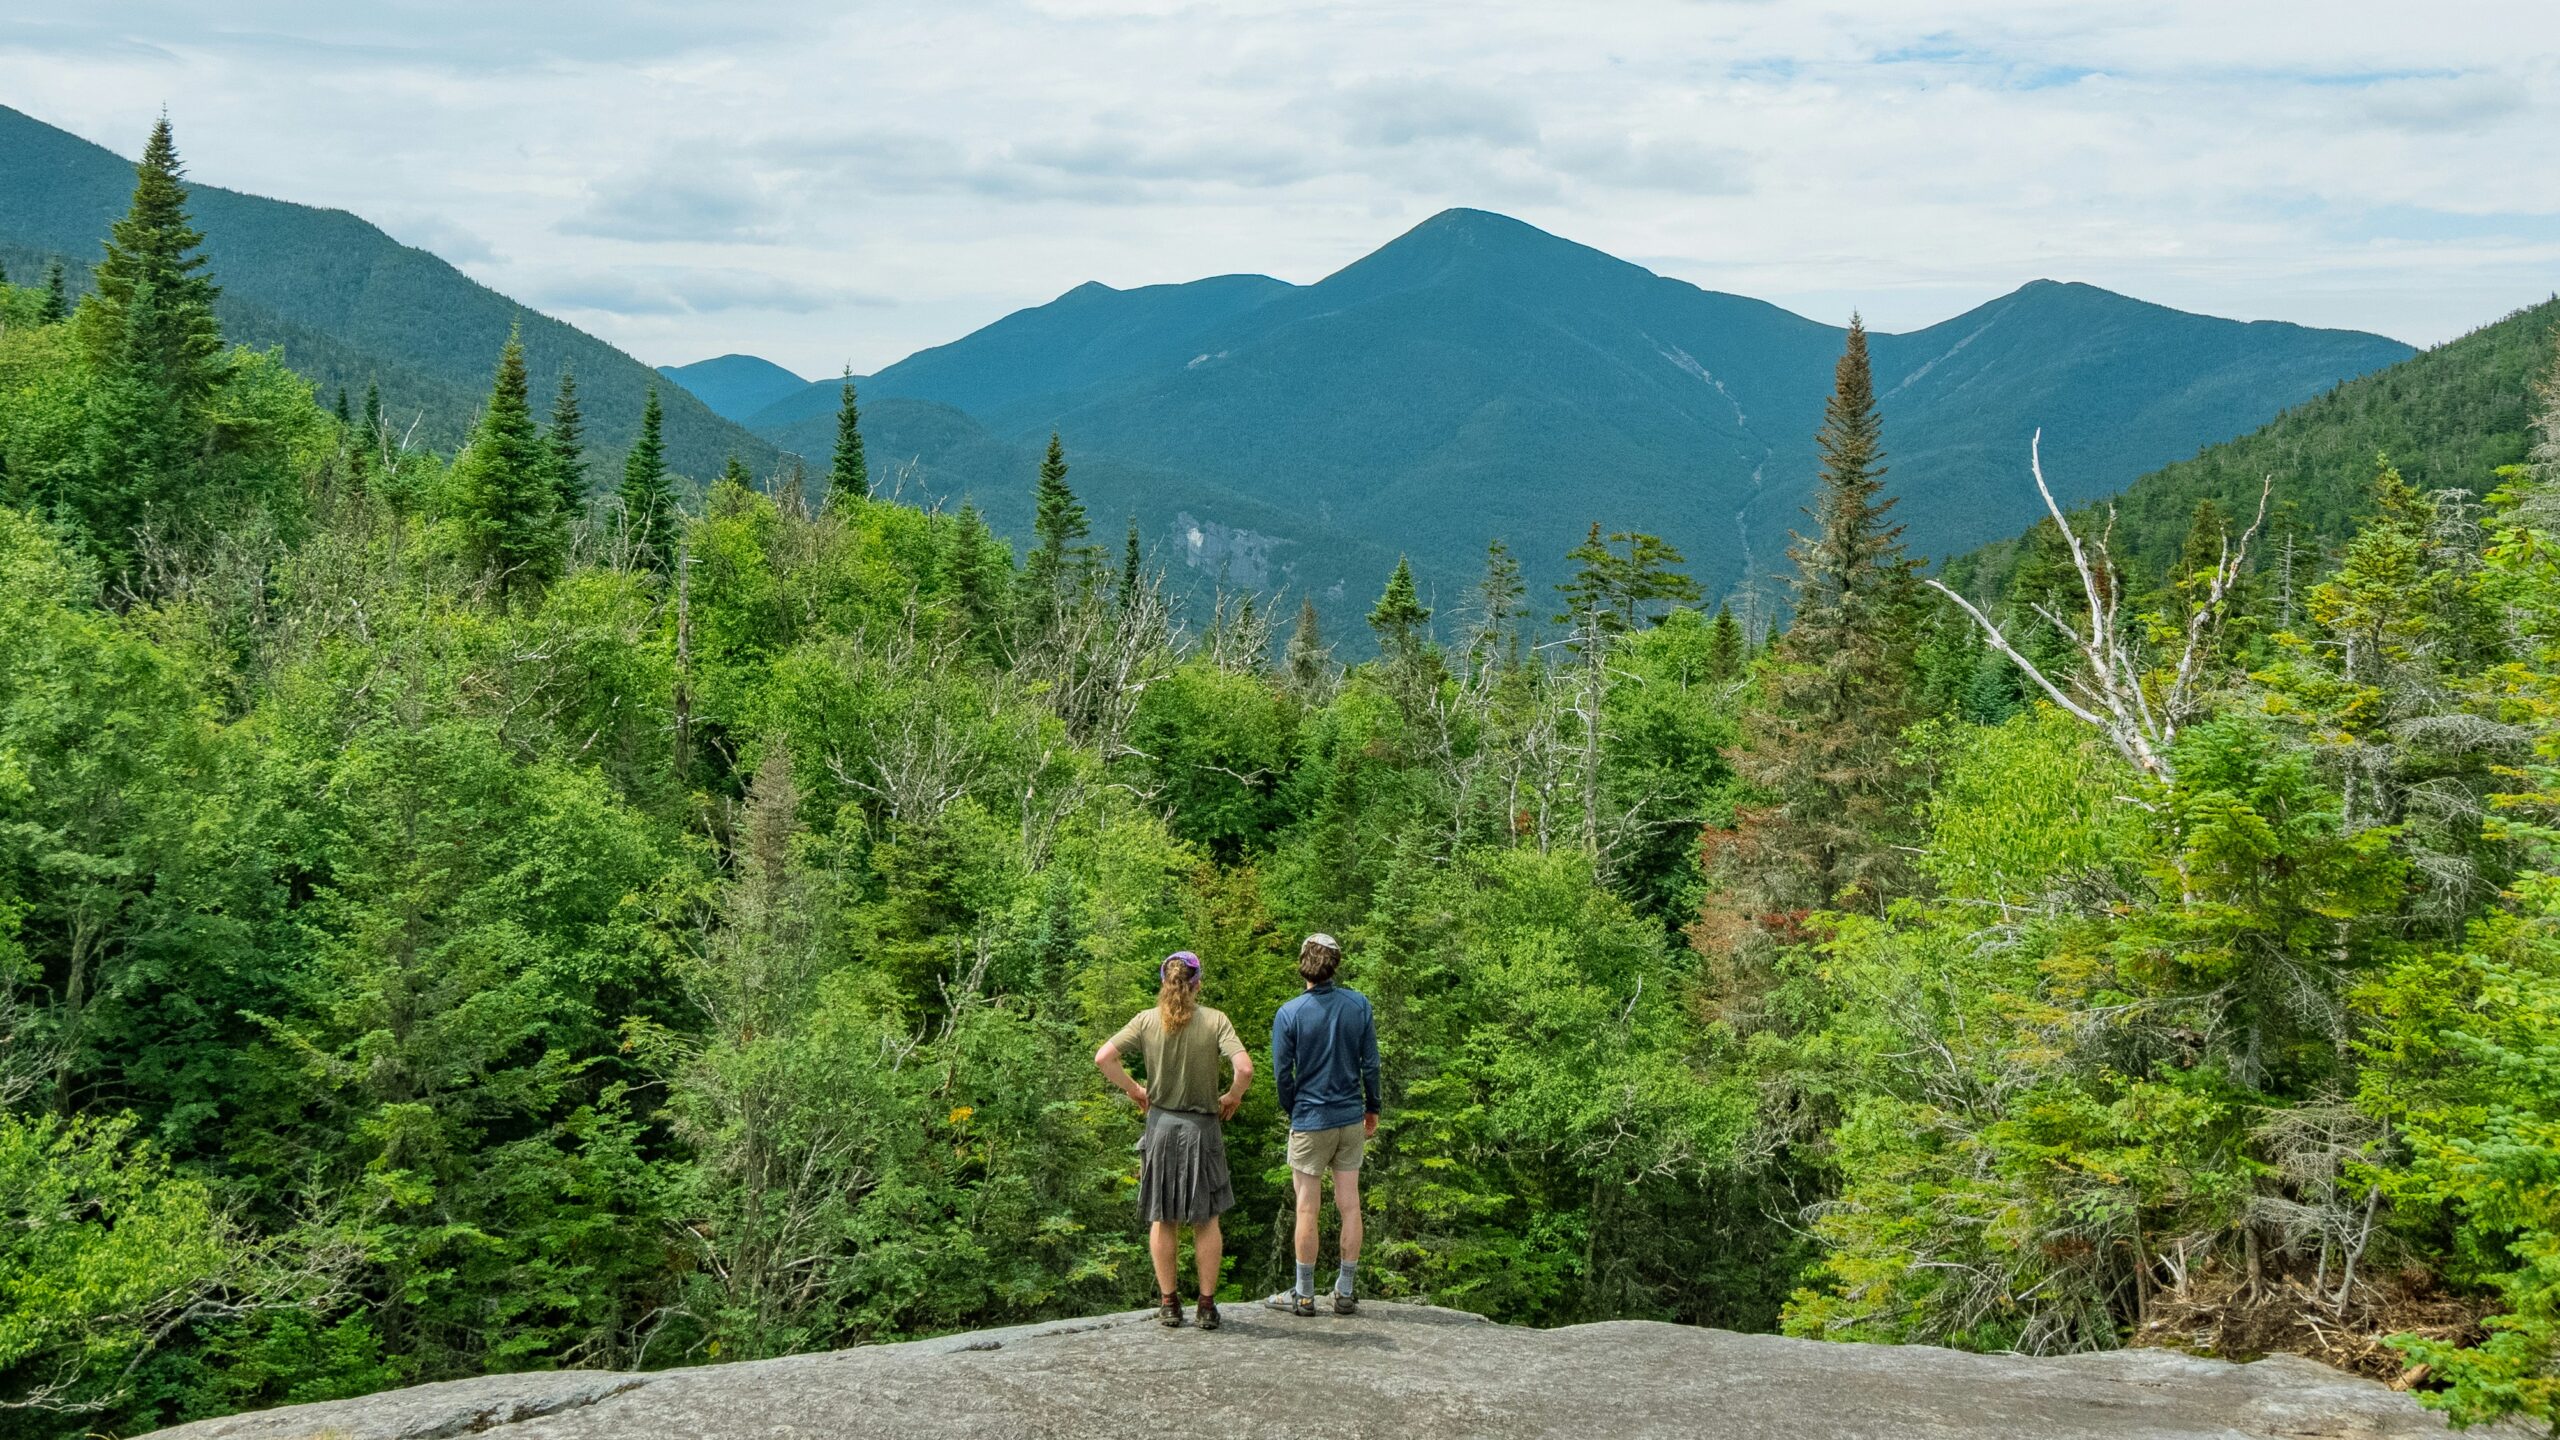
(1177, 995)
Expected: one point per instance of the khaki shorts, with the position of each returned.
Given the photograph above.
(1314, 1152)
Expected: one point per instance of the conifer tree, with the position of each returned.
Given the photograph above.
(155, 357)
(374, 436)
(1132, 566)
(648, 496)
(344, 413)
(173, 341)
(1497, 636)
(510, 508)
(849, 476)
(1399, 618)
(56, 304)
(1309, 663)
(735, 472)
(564, 448)
(975, 582)
(1726, 652)
(1824, 738)
(1058, 561)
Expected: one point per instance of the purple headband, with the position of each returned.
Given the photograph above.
(1184, 958)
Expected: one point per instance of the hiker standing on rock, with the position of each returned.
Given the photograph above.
(1324, 1058)
(1182, 1167)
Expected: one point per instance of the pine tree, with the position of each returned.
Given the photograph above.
(375, 437)
(56, 304)
(1825, 736)
(1310, 660)
(179, 345)
(1611, 594)
(155, 359)
(1058, 560)
(1726, 652)
(648, 496)
(975, 583)
(510, 507)
(1132, 567)
(1400, 620)
(1497, 636)
(849, 477)
(346, 415)
(564, 448)
(735, 473)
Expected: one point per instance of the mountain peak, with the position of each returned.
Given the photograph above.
(1479, 246)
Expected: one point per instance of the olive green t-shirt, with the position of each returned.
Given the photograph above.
(1181, 1068)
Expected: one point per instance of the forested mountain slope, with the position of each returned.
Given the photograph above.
(349, 304)
(2447, 418)
(1479, 378)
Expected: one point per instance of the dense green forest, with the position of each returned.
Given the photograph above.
(452, 924)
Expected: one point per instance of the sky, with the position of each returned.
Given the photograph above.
(843, 184)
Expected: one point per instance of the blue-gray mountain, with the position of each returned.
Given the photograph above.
(1479, 378)
(735, 386)
(348, 304)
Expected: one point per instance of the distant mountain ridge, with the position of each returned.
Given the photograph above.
(2446, 418)
(735, 386)
(349, 304)
(1478, 378)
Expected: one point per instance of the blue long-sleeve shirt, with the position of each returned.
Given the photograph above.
(1324, 1055)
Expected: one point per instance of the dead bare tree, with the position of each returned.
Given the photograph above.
(2118, 690)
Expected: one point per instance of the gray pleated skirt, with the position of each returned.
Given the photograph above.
(1182, 1168)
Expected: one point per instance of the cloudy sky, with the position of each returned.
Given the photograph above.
(833, 183)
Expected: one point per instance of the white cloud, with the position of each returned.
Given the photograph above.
(757, 176)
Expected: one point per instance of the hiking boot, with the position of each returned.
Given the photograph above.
(1169, 1314)
(1208, 1313)
(1345, 1304)
(1293, 1302)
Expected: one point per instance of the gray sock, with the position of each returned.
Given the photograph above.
(1306, 1279)
(1342, 1282)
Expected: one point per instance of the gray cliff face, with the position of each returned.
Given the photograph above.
(1406, 1371)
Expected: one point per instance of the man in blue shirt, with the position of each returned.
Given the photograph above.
(1324, 1049)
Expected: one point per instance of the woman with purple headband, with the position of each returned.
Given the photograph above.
(1182, 1168)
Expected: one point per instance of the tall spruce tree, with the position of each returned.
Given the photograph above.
(648, 495)
(1132, 566)
(1060, 562)
(975, 583)
(509, 504)
(1399, 618)
(1308, 666)
(564, 448)
(155, 358)
(1824, 740)
(1726, 651)
(56, 302)
(849, 475)
(151, 265)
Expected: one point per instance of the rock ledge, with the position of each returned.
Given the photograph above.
(1412, 1372)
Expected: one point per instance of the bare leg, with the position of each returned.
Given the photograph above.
(1163, 1240)
(1346, 1198)
(1208, 1247)
(1310, 1220)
